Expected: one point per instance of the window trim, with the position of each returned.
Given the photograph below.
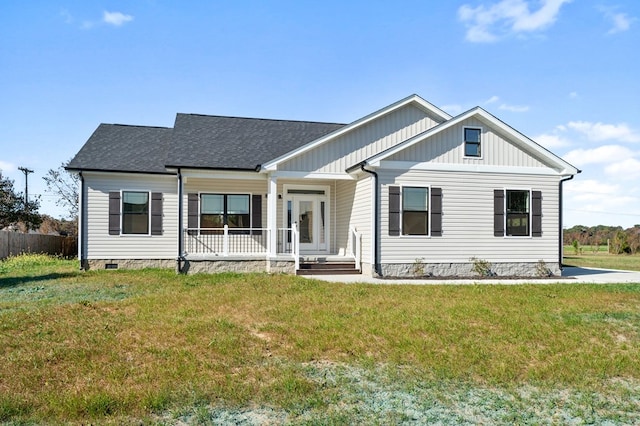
(122, 233)
(248, 194)
(402, 234)
(464, 143)
(529, 213)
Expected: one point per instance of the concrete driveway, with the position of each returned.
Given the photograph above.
(570, 275)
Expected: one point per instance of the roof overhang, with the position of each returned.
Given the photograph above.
(558, 164)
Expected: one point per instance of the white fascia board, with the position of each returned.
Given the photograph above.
(421, 103)
(312, 175)
(468, 168)
(561, 166)
(220, 174)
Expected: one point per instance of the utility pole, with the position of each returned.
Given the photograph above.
(26, 172)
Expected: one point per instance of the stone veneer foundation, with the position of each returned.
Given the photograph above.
(465, 270)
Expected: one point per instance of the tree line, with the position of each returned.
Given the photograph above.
(17, 213)
(618, 239)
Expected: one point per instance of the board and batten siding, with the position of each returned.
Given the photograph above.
(97, 241)
(467, 219)
(363, 142)
(448, 147)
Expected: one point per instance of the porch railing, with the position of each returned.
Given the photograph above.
(356, 244)
(241, 241)
(226, 241)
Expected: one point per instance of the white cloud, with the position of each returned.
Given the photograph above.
(626, 169)
(488, 23)
(68, 19)
(453, 109)
(551, 141)
(116, 18)
(620, 22)
(602, 154)
(514, 108)
(7, 167)
(601, 131)
(573, 95)
(492, 100)
(590, 189)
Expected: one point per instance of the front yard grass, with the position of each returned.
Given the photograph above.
(604, 260)
(154, 347)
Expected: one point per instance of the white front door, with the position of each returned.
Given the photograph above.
(309, 212)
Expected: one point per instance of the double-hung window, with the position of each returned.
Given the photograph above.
(415, 210)
(472, 146)
(135, 212)
(217, 210)
(518, 209)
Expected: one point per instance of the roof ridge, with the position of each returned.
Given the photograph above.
(137, 125)
(260, 119)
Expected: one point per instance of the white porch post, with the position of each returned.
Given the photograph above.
(272, 207)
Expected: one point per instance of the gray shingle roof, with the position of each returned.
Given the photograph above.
(203, 141)
(117, 147)
(196, 141)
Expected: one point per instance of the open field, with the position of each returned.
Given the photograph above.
(153, 347)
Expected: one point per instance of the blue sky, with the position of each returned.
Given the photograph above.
(564, 73)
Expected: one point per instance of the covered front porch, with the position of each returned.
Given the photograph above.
(259, 223)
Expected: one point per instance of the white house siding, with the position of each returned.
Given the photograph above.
(467, 220)
(97, 241)
(363, 142)
(448, 147)
(362, 216)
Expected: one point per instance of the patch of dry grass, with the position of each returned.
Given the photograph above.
(113, 345)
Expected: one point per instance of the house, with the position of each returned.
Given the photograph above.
(405, 190)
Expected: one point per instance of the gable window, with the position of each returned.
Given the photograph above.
(415, 210)
(217, 210)
(517, 209)
(472, 142)
(135, 212)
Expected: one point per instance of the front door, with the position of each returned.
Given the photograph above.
(310, 214)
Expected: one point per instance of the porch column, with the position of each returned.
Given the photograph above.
(272, 207)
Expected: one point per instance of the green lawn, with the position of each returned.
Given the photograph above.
(601, 259)
(153, 347)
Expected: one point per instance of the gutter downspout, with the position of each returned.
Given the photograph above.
(81, 220)
(560, 231)
(180, 259)
(376, 220)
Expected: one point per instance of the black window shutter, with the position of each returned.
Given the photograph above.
(114, 213)
(192, 213)
(436, 212)
(536, 213)
(156, 213)
(394, 210)
(256, 214)
(498, 213)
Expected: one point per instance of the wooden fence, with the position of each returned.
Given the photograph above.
(15, 243)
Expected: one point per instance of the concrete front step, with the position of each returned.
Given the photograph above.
(327, 268)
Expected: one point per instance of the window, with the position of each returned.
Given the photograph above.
(415, 211)
(135, 212)
(472, 142)
(217, 210)
(517, 207)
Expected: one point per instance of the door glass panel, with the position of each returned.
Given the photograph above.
(305, 220)
(322, 233)
(289, 207)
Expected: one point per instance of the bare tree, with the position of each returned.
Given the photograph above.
(65, 185)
